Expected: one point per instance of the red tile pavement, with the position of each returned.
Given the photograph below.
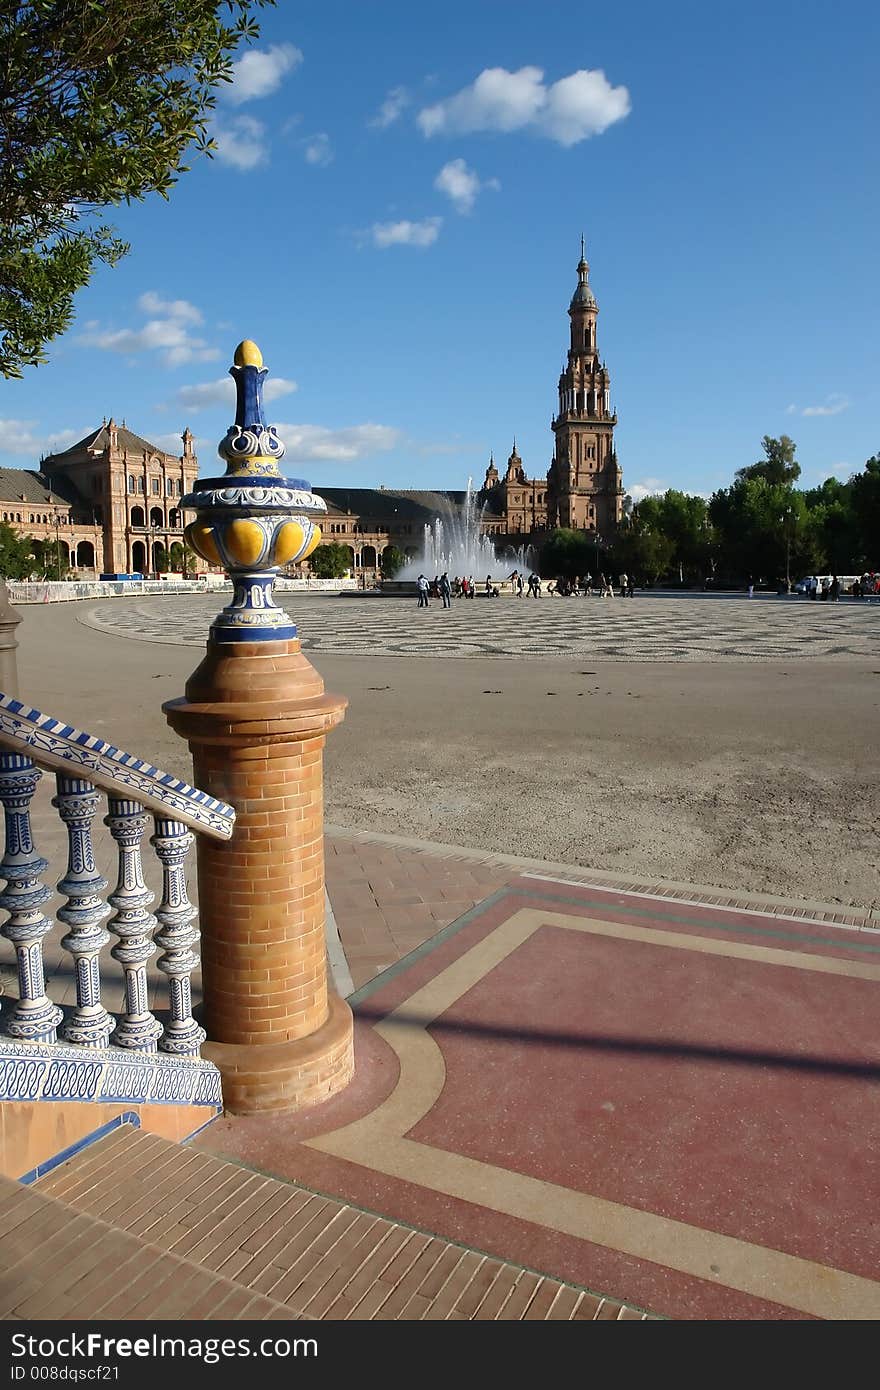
(715, 1084)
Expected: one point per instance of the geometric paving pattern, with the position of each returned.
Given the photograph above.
(680, 628)
(671, 1103)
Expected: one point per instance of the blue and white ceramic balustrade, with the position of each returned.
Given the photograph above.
(80, 1051)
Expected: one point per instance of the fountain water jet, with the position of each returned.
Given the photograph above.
(454, 544)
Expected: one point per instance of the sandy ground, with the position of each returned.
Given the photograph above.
(757, 776)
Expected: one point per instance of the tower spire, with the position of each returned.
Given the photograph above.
(583, 248)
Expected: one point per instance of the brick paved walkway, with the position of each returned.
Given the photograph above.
(137, 1227)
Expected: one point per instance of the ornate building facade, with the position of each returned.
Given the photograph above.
(115, 498)
(132, 489)
(110, 503)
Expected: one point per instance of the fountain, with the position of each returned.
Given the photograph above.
(454, 544)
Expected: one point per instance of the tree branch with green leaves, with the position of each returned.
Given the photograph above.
(101, 102)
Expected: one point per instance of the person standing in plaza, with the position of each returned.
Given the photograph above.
(834, 593)
(422, 585)
(623, 581)
(445, 590)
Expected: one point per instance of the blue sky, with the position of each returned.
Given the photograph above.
(395, 217)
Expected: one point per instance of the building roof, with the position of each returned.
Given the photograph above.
(415, 505)
(30, 487)
(99, 440)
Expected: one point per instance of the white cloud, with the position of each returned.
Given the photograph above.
(834, 405)
(168, 335)
(791, 410)
(222, 392)
(318, 443)
(24, 437)
(648, 487)
(259, 74)
(461, 184)
(406, 233)
(317, 149)
(152, 303)
(241, 142)
(567, 111)
(391, 109)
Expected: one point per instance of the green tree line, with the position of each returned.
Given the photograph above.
(762, 527)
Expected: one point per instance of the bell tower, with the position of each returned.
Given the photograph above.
(584, 489)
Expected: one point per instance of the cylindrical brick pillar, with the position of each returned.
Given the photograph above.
(255, 716)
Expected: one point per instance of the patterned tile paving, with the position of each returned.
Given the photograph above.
(680, 628)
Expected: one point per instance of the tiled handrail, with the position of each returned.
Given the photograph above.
(60, 747)
(84, 766)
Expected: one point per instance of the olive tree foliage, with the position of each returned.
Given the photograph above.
(100, 100)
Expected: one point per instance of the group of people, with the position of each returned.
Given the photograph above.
(440, 587)
(443, 588)
(603, 586)
(866, 586)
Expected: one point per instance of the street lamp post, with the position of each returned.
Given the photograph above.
(786, 526)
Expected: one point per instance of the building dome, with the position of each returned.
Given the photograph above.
(583, 297)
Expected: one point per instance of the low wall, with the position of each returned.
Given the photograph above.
(67, 591)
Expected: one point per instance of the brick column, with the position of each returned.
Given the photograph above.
(255, 716)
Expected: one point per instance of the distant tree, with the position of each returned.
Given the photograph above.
(865, 496)
(16, 557)
(645, 555)
(182, 557)
(683, 519)
(566, 553)
(762, 526)
(47, 560)
(778, 466)
(330, 561)
(162, 561)
(100, 101)
(391, 561)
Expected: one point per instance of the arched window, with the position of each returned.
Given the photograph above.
(156, 517)
(174, 519)
(137, 516)
(85, 555)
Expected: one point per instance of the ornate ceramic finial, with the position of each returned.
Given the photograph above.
(251, 447)
(252, 521)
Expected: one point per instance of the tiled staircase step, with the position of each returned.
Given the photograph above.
(312, 1255)
(67, 1264)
